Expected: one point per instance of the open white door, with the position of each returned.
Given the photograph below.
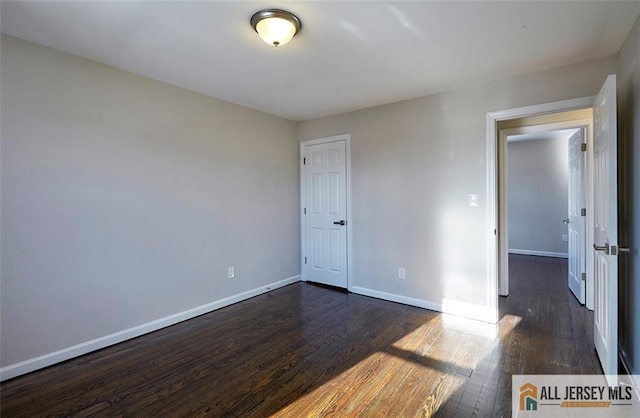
(606, 228)
(325, 212)
(577, 214)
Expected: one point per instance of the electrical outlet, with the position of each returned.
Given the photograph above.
(401, 273)
(473, 199)
(231, 272)
(565, 237)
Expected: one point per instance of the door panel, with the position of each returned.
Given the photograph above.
(577, 222)
(334, 193)
(325, 204)
(316, 193)
(606, 228)
(334, 250)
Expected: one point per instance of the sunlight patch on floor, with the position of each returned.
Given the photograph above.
(417, 374)
(507, 324)
(378, 384)
(337, 394)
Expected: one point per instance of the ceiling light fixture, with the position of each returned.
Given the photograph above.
(276, 27)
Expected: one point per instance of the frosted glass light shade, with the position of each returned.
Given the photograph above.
(275, 31)
(275, 27)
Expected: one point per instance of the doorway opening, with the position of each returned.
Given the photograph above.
(495, 171)
(601, 211)
(543, 194)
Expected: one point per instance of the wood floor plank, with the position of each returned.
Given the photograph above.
(307, 350)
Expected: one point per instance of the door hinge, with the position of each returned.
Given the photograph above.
(305, 260)
(584, 277)
(305, 211)
(583, 212)
(583, 147)
(304, 161)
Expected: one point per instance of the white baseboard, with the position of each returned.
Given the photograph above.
(539, 253)
(27, 366)
(466, 310)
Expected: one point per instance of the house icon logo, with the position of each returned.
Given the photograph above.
(528, 397)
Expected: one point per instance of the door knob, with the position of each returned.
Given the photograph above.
(566, 221)
(604, 247)
(340, 223)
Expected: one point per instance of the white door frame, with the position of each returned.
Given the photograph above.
(494, 227)
(503, 192)
(346, 138)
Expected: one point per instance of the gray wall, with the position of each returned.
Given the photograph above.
(125, 199)
(414, 164)
(538, 195)
(629, 192)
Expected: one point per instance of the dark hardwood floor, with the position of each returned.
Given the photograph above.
(306, 350)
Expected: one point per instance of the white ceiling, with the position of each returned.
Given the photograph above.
(349, 54)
